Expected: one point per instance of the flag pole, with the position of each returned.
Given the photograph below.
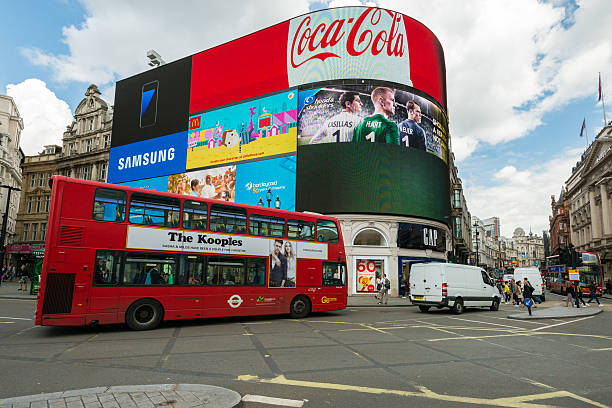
(601, 97)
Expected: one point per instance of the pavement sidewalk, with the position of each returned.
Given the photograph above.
(131, 396)
(9, 290)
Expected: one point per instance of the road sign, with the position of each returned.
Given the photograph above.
(574, 274)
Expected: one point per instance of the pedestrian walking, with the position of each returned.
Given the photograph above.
(384, 291)
(534, 298)
(506, 292)
(593, 290)
(514, 296)
(579, 294)
(528, 295)
(519, 294)
(378, 283)
(23, 278)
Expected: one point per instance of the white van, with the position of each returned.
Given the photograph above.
(452, 285)
(535, 278)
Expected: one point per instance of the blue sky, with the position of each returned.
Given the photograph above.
(521, 76)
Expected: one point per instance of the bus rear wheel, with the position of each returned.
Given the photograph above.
(144, 314)
(300, 307)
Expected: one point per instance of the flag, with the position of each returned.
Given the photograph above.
(583, 127)
(599, 99)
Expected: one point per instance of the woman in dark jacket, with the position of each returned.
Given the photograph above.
(528, 295)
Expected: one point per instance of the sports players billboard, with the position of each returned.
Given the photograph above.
(371, 112)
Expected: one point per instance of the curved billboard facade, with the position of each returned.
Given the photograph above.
(336, 111)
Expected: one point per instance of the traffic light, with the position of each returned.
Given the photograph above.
(564, 257)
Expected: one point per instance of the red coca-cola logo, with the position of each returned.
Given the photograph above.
(316, 42)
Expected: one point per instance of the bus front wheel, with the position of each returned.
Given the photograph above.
(144, 314)
(300, 307)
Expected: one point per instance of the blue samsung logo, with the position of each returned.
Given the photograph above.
(160, 156)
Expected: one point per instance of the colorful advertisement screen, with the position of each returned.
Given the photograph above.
(371, 113)
(258, 129)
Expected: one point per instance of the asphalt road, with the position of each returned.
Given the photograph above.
(360, 357)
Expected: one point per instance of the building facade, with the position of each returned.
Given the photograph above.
(560, 236)
(529, 248)
(589, 191)
(11, 156)
(83, 154)
(461, 218)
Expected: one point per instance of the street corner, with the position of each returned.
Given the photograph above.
(176, 395)
(557, 312)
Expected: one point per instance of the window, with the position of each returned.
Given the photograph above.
(103, 168)
(299, 229)
(33, 180)
(30, 204)
(73, 149)
(107, 141)
(149, 269)
(224, 218)
(457, 198)
(43, 231)
(457, 229)
(39, 203)
(334, 274)
(89, 145)
(256, 272)
(109, 205)
(91, 124)
(41, 180)
(152, 210)
(26, 228)
(486, 279)
(265, 226)
(194, 215)
(34, 230)
(86, 172)
(192, 270)
(370, 237)
(225, 270)
(47, 202)
(106, 269)
(327, 231)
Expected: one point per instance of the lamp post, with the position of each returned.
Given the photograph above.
(277, 203)
(260, 203)
(269, 197)
(477, 233)
(4, 223)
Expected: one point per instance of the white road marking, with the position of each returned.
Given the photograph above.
(494, 324)
(523, 321)
(561, 324)
(273, 401)
(14, 318)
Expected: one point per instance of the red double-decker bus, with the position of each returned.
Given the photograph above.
(117, 254)
(557, 273)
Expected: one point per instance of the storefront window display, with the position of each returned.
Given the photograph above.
(366, 272)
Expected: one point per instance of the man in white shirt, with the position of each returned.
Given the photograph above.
(208, 190)
(339, 128)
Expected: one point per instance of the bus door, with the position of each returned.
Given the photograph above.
(104, 293)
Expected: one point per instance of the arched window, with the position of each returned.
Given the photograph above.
(370, 237)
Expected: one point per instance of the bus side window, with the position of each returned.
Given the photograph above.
(327, 231)
(256, 272)
(266, 226)
(334, 274)
(106, 268)
(109, 205)
(154, 210)
(194, 215)
(299, 229)
(225, 218)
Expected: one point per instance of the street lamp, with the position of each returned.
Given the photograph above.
(477, 233)
(277, 203)
(4, 223)
(260, 203)
(269, 197)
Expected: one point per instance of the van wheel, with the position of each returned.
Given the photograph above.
(144, 314)
(300, 307)
(495, 305)
(424, 309)
(458, 306)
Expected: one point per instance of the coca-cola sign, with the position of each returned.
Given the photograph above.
(355, 42)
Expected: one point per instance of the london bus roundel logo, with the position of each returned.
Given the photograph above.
(234, 301)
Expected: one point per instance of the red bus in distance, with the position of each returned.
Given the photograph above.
(117, 254)
(557, 273)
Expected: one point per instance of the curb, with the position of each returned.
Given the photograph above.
(213, 396)
(525, 315)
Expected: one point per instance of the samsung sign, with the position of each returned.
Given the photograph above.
(150, 158)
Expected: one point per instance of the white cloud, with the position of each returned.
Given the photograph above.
(45, 116)
(522, 198)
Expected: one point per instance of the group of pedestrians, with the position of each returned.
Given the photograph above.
(521, 294)
(575, 293)
(383, 284)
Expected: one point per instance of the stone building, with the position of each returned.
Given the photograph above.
(589, 191)
(460, 216)
(11, 156)
(559, 223)
(83, 154)
(529, 248)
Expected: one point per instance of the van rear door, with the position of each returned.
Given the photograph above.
(427, 281)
